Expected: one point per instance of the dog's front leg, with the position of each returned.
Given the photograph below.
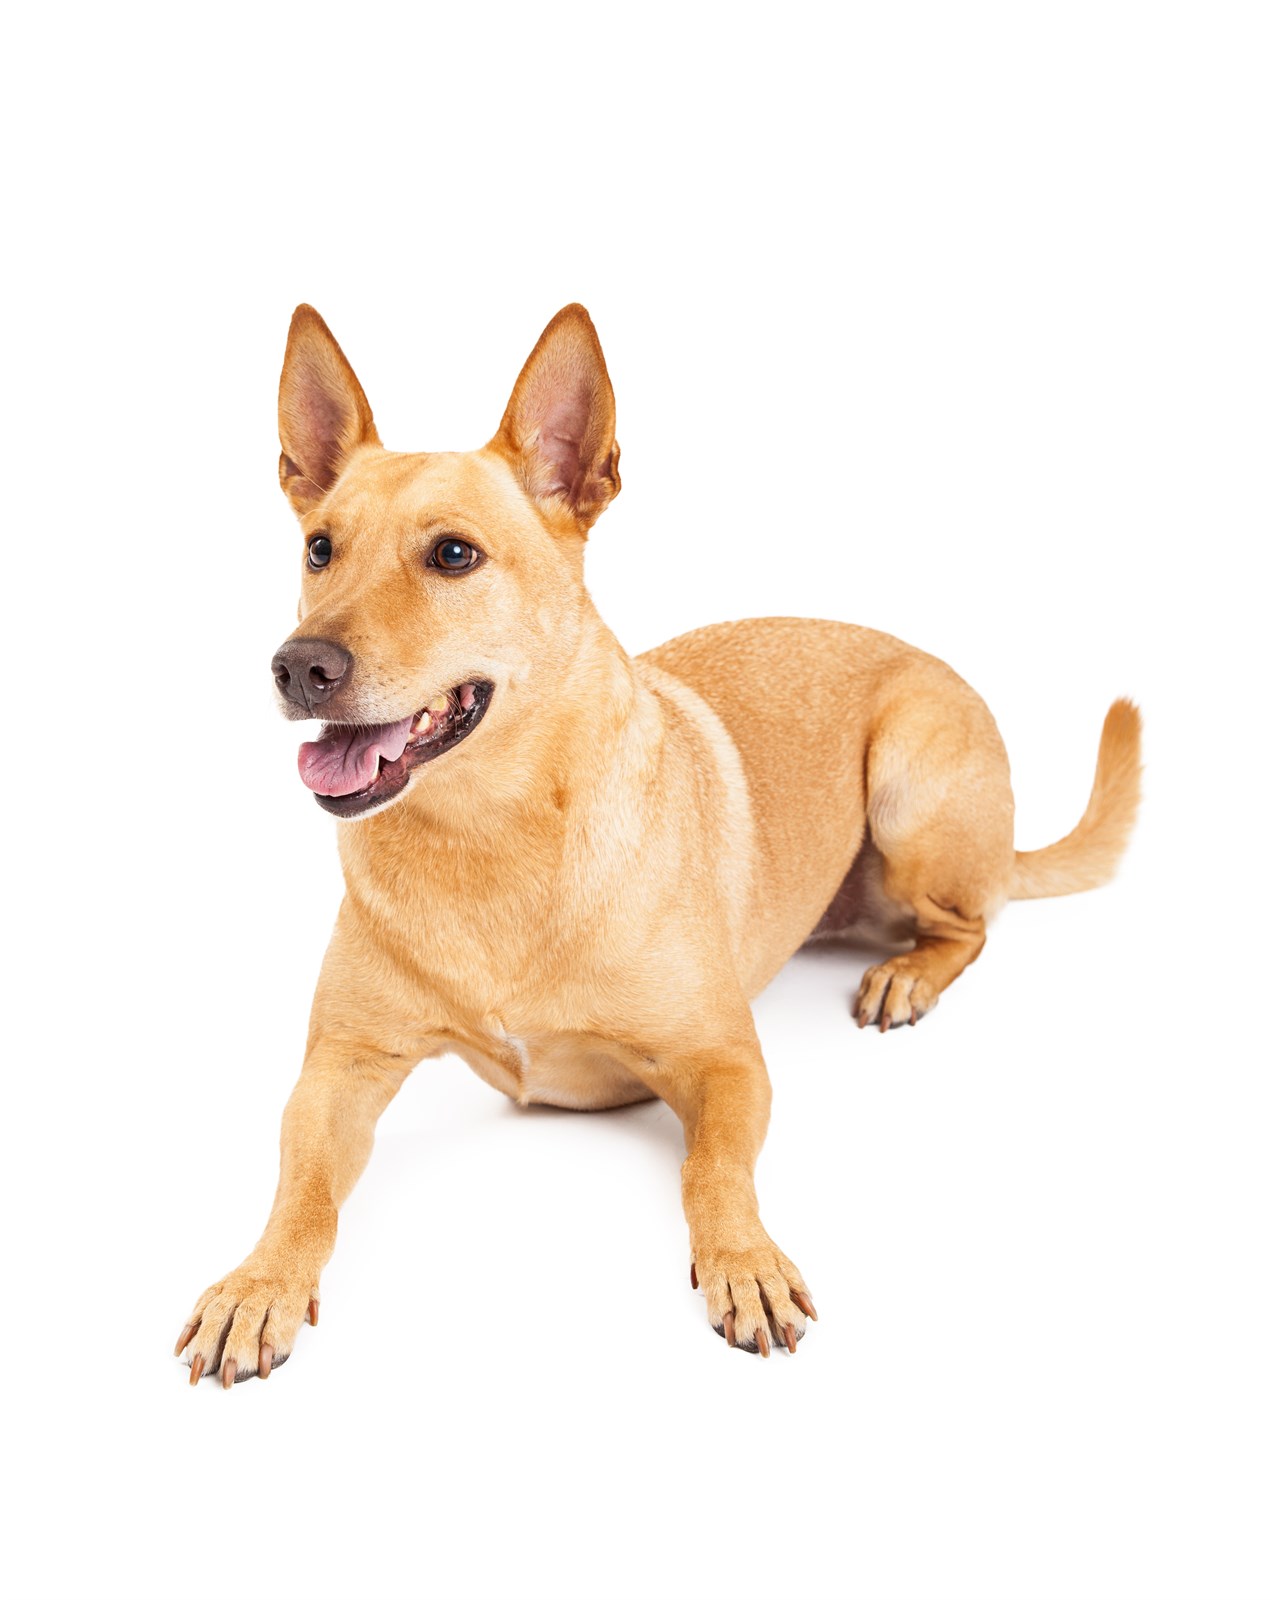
(246, 1323)
(754, 1292)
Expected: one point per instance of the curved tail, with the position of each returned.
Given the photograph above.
(1090, 853)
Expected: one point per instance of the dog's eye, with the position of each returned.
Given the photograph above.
(318, 552)
(454, 555)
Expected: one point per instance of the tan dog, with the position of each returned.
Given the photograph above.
(575, 869)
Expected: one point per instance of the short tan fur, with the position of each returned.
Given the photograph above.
(582, 894)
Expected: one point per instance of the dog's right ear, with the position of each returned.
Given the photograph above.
(323, 411)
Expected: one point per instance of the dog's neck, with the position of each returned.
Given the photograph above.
(596, 725)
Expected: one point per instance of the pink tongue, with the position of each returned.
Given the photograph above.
(345, 760)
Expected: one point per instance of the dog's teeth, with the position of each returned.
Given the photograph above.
(423, 723)
(438, 703)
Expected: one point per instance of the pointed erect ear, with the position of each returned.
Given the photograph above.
(323, 412)
(558, 428)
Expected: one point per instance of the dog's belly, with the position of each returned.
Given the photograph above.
(862, 912)
(572, 1071)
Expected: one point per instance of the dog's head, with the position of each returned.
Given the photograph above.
(440, 592)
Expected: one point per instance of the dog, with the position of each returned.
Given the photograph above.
(574, 868)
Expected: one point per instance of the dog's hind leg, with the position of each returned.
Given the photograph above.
(940, 812)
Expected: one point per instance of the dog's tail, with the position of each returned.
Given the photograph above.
(1090, 853)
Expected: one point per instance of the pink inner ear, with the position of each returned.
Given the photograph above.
(560, 442)
(322, 420)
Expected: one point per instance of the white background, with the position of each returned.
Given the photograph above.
(961, 323)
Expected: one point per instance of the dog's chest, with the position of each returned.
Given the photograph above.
(575, 1071)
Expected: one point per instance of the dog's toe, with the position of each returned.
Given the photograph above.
(755, 1298)
(245, 1326)
(891, 995)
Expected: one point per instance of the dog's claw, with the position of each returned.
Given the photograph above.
(259, 1296)
(693, 1274)
(894, 995)
(806, 1305)
(762, 1342)
(730, 1332)
(789, 1334)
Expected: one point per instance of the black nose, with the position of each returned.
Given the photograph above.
(310, 671)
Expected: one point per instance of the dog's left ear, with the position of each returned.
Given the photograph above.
(323, 411)
(558, 428)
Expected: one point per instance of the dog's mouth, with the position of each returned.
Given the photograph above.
(352, 768)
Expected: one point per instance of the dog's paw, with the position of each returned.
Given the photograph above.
(892, 994)
(245, 1325)
(755, 1296)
